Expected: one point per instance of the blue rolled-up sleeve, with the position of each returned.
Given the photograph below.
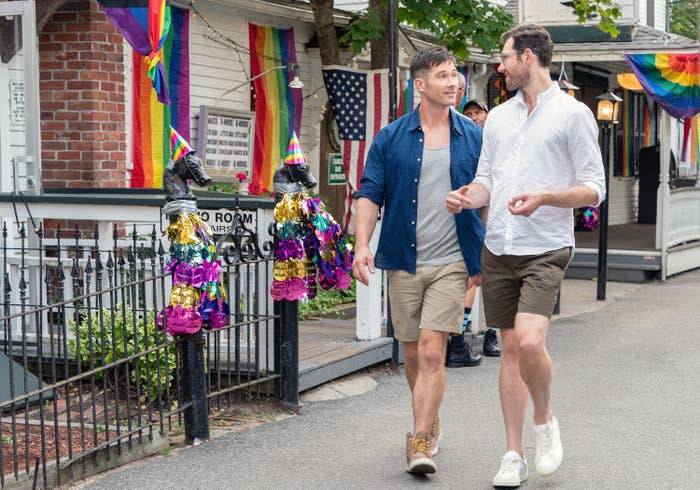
(372, 183)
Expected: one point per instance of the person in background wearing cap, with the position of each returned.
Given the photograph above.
(459, 353)
(477, 110)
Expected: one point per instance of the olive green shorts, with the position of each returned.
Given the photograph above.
(432, 298)
(521, 284)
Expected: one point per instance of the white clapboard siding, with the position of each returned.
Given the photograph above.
(554, 13)
(659, 15)
(215, 69)
(623, 195)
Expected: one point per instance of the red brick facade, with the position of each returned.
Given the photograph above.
(81, 65)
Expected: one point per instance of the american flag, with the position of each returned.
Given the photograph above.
(360, 102)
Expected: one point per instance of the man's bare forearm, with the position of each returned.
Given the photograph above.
(574, 197)
(478, 195)
(365, 221)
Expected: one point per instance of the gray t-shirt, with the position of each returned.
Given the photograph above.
(436, 232)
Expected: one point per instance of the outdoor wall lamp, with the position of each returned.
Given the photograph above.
(295, 83)
(608, 108)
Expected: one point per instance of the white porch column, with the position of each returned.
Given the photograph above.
(476, 312)
(664, 191)
(369, 299)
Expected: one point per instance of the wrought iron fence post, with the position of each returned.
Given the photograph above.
(287, 351)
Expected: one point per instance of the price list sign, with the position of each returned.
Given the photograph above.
(225, 141)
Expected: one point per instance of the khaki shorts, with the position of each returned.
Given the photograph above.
(432, 298)
(521, 284)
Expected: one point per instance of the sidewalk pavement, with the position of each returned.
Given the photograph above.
(625, 392)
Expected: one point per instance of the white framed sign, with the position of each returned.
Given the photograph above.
(225, 142)
(17, 102)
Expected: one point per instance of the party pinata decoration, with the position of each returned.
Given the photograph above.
(310, 244)
(197, 299)
(587, 218)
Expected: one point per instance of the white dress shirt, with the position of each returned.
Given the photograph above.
(554, 147)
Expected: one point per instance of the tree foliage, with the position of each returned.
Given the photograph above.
(458, 24)
(607, 10)
(683, 18)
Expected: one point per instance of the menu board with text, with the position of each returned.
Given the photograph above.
(225, 142)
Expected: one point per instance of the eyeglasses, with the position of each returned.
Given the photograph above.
(505, 54)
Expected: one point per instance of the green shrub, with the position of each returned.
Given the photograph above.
(134, 336)
(325, 301)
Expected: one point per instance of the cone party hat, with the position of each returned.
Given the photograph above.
(294, 154)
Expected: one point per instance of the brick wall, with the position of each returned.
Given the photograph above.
(81, 67)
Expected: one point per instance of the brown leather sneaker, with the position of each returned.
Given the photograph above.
(418, 458)
(435, 436)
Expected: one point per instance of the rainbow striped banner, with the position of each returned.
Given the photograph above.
(672, 80)
(145, 24)
(151, 120)
(691, 140)
(649, 126)
(159, 19)
(277, 107)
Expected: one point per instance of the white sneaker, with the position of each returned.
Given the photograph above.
(549, 450)
(513, 471)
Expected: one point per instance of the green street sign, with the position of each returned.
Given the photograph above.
(336, 172)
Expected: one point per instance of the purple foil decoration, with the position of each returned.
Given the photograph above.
(289, 249)
(178, 319)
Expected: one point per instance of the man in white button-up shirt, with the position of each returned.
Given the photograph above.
(540, 159)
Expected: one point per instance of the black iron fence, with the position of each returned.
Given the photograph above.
(88, 374)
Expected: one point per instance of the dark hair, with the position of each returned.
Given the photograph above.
(534, 37)
(429, 58)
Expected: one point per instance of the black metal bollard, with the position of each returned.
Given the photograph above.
(192, 377)
(287, 351)
(194, 390)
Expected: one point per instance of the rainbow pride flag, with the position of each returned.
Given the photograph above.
(151, 120)
(158, 28)
(145, 24)
(672, 80)
(277, 106)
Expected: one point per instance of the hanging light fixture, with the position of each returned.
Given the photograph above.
(564, 83)
(291, 67)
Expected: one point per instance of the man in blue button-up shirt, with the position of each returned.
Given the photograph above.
(411, 166)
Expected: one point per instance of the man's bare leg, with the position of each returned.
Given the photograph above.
(410, 362)
(534, 362)
(513, 391)
(430, 380)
